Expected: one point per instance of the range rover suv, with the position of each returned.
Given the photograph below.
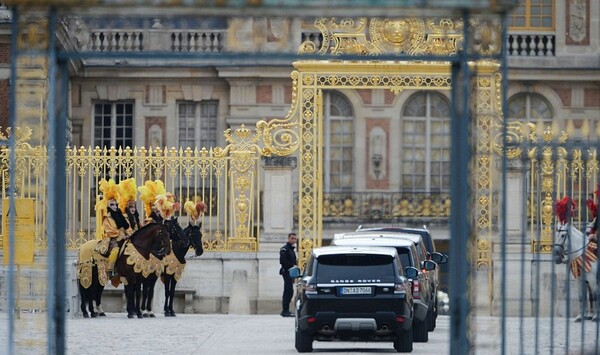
(409, 256)
(432, 254)
(355, 293)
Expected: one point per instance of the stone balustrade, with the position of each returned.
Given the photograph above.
(531, 45)
(122, 40)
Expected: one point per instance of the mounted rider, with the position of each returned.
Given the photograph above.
(127, 204)
(148, 195)
(113, 226)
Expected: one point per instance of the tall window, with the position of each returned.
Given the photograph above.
(426, 143)
(339, 143)
(198, 124)
(533, 15)
(530, 108)
(113, 124)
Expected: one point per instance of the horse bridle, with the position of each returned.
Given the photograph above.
(565, 230)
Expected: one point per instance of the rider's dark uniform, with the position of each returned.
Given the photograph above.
(287, 259)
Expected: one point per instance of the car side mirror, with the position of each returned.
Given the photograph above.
(429, 265)
(411, 272)
(439, 258)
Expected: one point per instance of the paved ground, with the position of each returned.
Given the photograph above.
(271, 334)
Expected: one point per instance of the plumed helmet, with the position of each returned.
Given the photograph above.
(149, 193)
(127, 192)
(109, 191)
(166, 205)
(194, 210)
(561, 209)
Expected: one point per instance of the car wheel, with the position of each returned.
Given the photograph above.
(404, 342)
(303, 341)
(432, 317)
(421, 330)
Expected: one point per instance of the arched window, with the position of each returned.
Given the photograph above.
(530, 108)
(339, 143)
(426, 143)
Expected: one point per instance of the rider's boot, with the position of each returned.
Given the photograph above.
(112, 259)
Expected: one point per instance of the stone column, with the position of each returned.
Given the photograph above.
(515, 192)
(277, 198)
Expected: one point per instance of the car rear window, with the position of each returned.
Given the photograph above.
(405, 258)
(355, 267)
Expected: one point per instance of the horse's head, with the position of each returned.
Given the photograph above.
(194, 233)
(561, 243)
(178, 238)
(161, 244)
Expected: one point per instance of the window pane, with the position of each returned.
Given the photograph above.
(419, 167)
(339, 143)
(336, 153)
(346, 181)
(335, 166)
(347, 168)
(348, 153)
(546, 22)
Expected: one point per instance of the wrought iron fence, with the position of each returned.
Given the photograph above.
(199, 174)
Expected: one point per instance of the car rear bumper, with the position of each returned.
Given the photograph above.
(377, 325)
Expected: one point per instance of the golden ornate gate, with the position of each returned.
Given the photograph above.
(412, 36)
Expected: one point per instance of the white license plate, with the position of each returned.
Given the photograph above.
(356, 290)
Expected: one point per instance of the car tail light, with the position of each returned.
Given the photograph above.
(310, 289)
(400, 288)
(311, 319)
(399, 319)
(416, 289)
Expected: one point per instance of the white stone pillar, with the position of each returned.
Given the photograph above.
(277, 198)
(516, 209)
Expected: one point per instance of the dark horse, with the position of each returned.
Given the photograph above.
(175, 263)
(180, 243)
(141, 256)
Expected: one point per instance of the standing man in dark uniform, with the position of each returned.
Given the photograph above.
(287, 259)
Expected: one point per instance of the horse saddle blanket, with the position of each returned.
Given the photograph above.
(88, 257)
(584, 260)
(173, 266)
(141, 265)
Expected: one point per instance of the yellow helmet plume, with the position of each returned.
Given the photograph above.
(127, 192)
(194, 210)
(149, 192)
(166, 205)
(110, 191)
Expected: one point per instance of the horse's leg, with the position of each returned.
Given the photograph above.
(151, 283)
(145, 297)
(129, 295)
(593, 290)
(93, 290)
(83, 294)
(167, 294)
(172, 285)
(138, 294)
(587, 292)
(99, 309)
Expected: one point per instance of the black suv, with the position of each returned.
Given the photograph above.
(355, 293)
(429, 243)
(409, 256)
